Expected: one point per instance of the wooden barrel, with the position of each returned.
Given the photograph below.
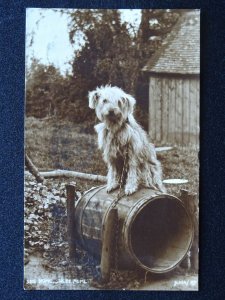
(155, 231)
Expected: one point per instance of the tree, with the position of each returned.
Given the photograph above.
(105, 55)
(44, 90)
(49, 94)
(110, 53)
(113, 52)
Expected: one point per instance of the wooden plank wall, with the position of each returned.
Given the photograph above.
(174, 110)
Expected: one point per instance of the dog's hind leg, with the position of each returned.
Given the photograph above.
(112, 181)
(156, 177)
(159, 185)
(151, 177)
(147, 181)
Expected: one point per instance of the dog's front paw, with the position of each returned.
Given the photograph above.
(129, 190)
(111, 187)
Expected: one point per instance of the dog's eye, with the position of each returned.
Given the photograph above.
(120, 104)
(105, 101)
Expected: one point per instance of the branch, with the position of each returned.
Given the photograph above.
(66, 173)
(33, 170)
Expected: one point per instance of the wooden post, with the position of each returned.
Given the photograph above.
(70, 190)
(190, 201)
(107, 244)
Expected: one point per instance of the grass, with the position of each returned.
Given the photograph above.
(54, 144)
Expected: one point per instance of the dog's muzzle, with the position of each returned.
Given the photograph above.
(113, 115)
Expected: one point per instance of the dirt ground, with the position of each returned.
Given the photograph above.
(38, 277)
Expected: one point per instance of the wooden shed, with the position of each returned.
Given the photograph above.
(174, 84)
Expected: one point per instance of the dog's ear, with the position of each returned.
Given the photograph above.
(130, 102)
(93, 99)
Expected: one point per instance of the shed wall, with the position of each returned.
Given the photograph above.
(174, 109)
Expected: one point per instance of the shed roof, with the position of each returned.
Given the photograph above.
(180, 52)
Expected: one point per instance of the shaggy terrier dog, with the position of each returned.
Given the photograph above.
(124, 143)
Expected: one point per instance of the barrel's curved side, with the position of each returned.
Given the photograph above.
(79, 214)
(90, 215)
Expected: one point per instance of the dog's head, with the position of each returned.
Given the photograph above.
(112, 105)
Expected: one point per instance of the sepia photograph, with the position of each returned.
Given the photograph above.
(112, 125)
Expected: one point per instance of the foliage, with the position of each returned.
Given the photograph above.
(44, 87)
(114, 52)
(111, 51)
(107, 51)
(49, 94)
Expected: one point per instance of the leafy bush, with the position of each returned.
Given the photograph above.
(49, 94)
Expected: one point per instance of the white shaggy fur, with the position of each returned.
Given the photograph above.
(120, 136)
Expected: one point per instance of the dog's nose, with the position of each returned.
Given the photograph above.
(111, 112)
